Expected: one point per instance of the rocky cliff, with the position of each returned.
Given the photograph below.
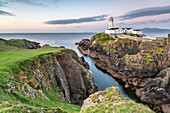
(42, 80)
(137, 62)
(64, 70)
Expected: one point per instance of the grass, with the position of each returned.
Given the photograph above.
(102, 38)
(6, 107)
(106, 40)
(156, 50)
(99, 36)
(114, 102)
(9, 60)
(137, 35)
(126, 40)
(147, 58)
(13, 59)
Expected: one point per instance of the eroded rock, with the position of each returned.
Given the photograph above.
(135, 62)
(64, 71)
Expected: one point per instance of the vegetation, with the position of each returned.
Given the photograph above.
(147, 58)
(137, 35)
(114, 102)
(100, 36)
(12, 60)
(105, 40)
(156, 50)
(126, 40)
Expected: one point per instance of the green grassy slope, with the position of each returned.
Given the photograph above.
(10, 58)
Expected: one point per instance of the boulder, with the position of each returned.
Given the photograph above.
(62, 47)
(46, 45)
(76, 43)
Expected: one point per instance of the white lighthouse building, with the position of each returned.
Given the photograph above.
(113, 30)
(111, 22)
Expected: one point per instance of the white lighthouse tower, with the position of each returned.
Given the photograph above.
(120, 30)
(111, 22)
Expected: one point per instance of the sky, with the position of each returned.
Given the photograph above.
(58, 16)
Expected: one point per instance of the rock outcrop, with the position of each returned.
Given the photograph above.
(112, 101)
(23, 43)
(157, 90)
(64, 70)
(136, 62)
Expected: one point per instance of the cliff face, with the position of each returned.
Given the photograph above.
(135, 62)
(64, 70)
(43, 80)
(112, 101)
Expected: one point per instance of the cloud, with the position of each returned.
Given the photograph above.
(6, 13)
(2, 3)
(147, 22)
(80, 20)
(145, 12)
(30, 2)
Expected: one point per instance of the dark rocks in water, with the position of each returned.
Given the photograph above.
(62, 47)
(84, 63)
(133, 61)
(76, 43)
(46, 45)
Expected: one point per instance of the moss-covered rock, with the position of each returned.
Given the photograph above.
(112, 101)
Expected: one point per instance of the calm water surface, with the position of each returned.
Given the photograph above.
(103, 80)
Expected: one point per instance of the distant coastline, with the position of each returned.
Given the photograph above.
(149, 32)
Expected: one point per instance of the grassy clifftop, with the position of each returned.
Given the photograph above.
(12, 56)
(19, 96)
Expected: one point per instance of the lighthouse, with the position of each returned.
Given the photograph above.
(120, 30)
(111, 22)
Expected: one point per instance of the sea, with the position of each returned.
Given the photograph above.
(102, 79)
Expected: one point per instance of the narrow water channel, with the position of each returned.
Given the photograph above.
(102, 79)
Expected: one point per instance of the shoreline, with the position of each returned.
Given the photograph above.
(113, 66)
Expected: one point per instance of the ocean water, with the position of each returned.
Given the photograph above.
(156, 34)
(102, 79)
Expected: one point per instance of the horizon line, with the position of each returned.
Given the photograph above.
(43, 32)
